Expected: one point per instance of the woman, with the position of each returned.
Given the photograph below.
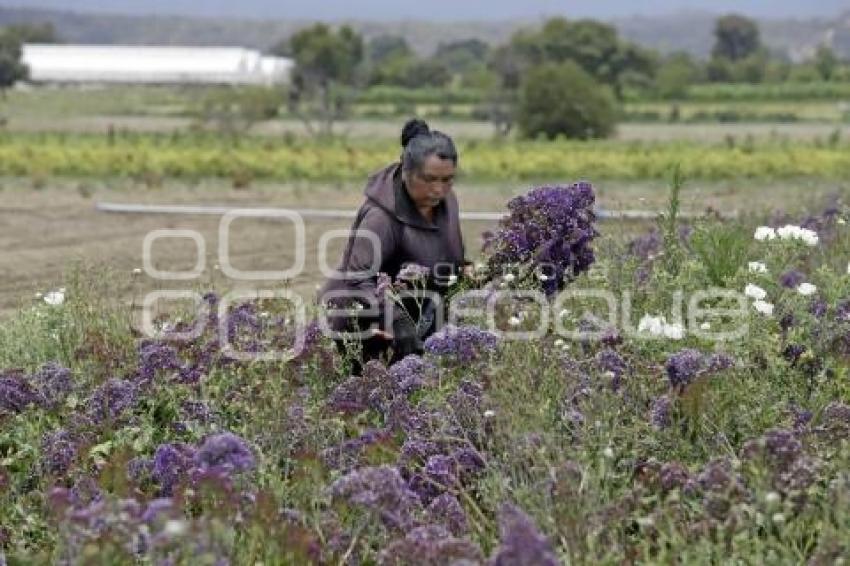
(412, 216)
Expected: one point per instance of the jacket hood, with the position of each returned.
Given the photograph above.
(385, 189)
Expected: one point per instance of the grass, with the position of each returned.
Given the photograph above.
(578, 454)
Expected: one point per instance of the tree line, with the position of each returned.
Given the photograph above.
(566, 77)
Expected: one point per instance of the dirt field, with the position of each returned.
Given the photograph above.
(44, 232)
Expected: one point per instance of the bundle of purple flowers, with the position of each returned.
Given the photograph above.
(549, 229)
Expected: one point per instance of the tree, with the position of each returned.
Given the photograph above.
(427, 72)
(326, 64)
(507, 66)
(385, 47)
(388, 61)
(563, 99)
(34, 33)
(12, 68)
(826, 62)
(675, 75)
(460, 57)
(593, 45)
(735, 38)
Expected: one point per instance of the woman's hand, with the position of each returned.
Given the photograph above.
(381, 334)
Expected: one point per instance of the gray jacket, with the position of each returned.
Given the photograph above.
(405, 236)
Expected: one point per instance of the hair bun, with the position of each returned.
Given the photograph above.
(413, 128)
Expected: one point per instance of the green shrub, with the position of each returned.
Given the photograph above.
(562, 99)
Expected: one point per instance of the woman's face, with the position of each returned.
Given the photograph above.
(428, 186)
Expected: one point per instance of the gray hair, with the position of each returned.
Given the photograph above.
(420, 142)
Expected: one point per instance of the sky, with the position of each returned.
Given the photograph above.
(442, 10)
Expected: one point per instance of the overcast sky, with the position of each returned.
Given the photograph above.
(442, 10)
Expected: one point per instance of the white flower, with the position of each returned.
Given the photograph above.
(778, 518)
(792, 232)
(565, 312)
(174, 528)
(514, 321)
(658, 326)
(772, 498)
(705, 326)
(489, 414)
(509, 277)
(55, 298)
(608, 452)
(452, 279)
(809, 237)
(757, 267)
(806, 289)
(788, 232)
(543, 277)
(764, 233)
(674, 331)
(559, 343)
(841, 221)
(39, 295)
(755, 292)
(763, 307)
(652, 324)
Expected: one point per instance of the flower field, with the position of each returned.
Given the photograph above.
(655, 441)
(197, 156)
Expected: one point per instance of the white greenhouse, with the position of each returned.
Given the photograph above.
(152, 65)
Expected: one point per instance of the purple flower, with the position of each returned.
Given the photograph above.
(441, 470)
(374, 388)
(659, 412)
(835, 420)
(430, 545)
(155, 357)
(719, 362)
(521, 543)
(683, 366)
(550, 229)
(196, 411)
(646, 246)
(171, 465)
(59, 450)
(801, 474)
(673, 475)
(54, 384)
(15, 393)
(463, 344)
(412, 373)
(157, 509)
(717, 476)
(818, 308)
(842, 311)
(413, 273)
(468, 463)
(110, 400)
(348, 454)
(139, 470)
(446, 510)
(382, 491)
(782, 447)
(224, 451)
(792, 353)
(609, 360)
(791, 278)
